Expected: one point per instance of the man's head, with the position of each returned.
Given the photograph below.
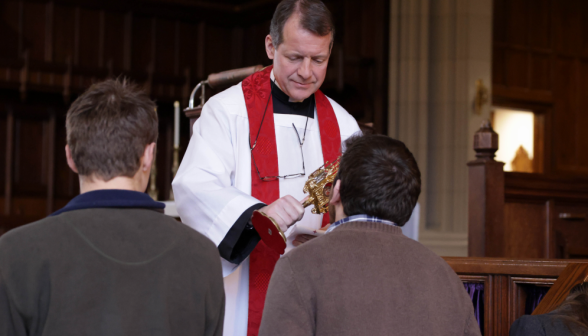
(299, 43)
(111, 134)
(378, 176)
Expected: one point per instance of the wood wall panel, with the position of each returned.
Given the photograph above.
(568, 27)
(9, 29)
(165, 50)
(517, 71)
(64, 23)
(188, 45)
(525, 235)
(3, 133)
(218, 48)
(540, 34)
(517, 22)
(30, 159)
(539, 53)
(581, 118)
(540, 71)
(114, 34)
(253, 43)
(34, 25)
(88, 48)
(142, 51)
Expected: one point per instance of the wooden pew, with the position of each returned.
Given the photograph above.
(507, 282)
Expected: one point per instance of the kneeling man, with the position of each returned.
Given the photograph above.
(109, 262)
(364, 277)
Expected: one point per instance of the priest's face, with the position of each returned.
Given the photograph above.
(300, 61)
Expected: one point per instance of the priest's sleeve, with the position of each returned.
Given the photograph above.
(205, 189)
(287, 309)
(11, 321)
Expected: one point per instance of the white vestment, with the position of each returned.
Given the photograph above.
(212, 187)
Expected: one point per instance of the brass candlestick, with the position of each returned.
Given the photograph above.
(174, 170)
(152, 182)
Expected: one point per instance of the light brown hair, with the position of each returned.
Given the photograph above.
(108, 127)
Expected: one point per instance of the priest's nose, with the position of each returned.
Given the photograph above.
(304, 71)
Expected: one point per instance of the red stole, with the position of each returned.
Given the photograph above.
(257, 91)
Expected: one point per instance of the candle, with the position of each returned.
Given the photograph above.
(176, 124)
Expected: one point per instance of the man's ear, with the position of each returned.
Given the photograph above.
(148, 157)
(70, 161)
(269, 47)
(335, 195)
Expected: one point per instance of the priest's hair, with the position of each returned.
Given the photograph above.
(314, 17)
(379, 177)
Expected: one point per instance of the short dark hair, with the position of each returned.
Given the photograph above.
(314, 17)
(379, 177)
(108, 127)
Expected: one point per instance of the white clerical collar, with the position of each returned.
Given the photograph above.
(273, 78)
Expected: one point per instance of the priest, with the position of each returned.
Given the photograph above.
(253, 148)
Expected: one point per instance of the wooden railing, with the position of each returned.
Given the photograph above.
(507, 282)
(573, 274)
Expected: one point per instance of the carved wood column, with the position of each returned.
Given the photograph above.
(485, 196)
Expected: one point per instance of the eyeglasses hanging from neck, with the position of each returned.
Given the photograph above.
(300, 142)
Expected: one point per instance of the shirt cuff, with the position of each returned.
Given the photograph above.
(241, 238)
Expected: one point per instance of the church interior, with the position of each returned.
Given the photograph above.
(487, 94)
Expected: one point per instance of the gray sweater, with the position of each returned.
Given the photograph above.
(366, 279)
(109, 272)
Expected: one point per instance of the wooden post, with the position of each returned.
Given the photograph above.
(485, 196)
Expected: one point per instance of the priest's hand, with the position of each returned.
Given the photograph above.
(285, 211)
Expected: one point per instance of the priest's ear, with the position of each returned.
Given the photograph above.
(269, 47)
(70, 161)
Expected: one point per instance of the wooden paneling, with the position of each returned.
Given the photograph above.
(114, 38)
(34, 24)
(526, 236)
(64, 33)
(30, 157)
(571, 230)
(540, 52)
(88, 49)
(3, 134)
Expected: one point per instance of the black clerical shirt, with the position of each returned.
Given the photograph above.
(242, 237)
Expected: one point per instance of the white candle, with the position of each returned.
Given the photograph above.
(176, 124)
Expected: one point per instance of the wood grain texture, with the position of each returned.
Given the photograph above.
(572, 275)
(539, 57)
